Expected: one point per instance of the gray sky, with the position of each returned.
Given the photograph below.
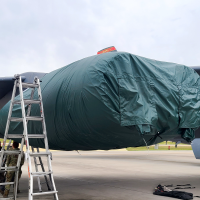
(43, 35)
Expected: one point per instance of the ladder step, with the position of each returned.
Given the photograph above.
(32, 118)
(29, 135)
(44, 193)
(16, 119)
(14, 168)
(15, 135)
(36, 135)
(39, 154)
(40, 173)
(12, 152)
(7, 183)
(28, 101)
(29, 85)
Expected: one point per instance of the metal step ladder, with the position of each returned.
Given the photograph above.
(25, 139)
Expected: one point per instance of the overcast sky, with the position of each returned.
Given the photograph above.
(43, 35)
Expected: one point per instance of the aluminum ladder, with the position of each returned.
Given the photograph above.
(26, 136)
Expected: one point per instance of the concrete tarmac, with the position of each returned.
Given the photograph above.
(118, 175)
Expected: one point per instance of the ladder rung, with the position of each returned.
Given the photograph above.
(36, 136)
(16, 119)
(29, 85)
(40, 173)
(33, 118)
(44, 193)
(29, 136)
(28, 101)
(12, 152)
(9, 168)
(15, 135)
(7, 183)
(39, 154)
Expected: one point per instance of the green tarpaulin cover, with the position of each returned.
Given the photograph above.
(114, 100)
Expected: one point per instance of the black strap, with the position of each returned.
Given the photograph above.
(177, 185)
(184, 188)
(169, 185)
(184, 185)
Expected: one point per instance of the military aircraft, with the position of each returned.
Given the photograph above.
(111, 100)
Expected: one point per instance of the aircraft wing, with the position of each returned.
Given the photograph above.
(197, 69)
(6, 84)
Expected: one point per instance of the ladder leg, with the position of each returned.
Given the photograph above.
(15, 185)
(25, 122)
(30, 188)
(54, 187)
(16, 180)
(51, 177)
(29, 173)
(27, 149)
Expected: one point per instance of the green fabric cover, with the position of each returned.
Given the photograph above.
(114, 100)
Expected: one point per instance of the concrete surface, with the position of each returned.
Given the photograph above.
(118, 175)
